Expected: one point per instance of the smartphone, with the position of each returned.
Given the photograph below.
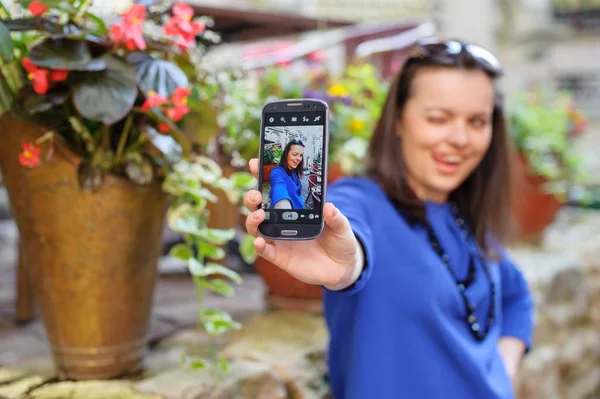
(292, 174)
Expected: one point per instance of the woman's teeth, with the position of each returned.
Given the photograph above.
(453, 159)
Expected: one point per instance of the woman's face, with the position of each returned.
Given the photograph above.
(446, 129)
(294, 156)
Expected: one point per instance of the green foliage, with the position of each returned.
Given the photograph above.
(191, 184)
(355, 99)
(544, 124)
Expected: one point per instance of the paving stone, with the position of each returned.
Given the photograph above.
(244, 380)
(88, 390)
(20, 387)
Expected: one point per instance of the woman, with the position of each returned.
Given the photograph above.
(286, 184)
(420, 299)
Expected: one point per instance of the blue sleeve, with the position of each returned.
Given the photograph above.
(351, 198)
(278, 186)
(517, 303)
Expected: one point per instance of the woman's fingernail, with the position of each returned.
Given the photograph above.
(256, 215)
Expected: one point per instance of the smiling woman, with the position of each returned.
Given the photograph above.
(417, 284)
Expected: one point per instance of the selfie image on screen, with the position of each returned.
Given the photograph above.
(292, 167)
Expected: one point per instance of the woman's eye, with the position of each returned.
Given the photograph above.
(436, 120)
(479, 123)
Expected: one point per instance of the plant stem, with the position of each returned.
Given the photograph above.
(84, 133)
(83, 9)
(123, 138)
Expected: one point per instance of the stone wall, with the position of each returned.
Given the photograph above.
(565, 278)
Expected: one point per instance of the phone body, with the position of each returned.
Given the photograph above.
(292, 173)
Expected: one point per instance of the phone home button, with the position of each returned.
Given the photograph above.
(290, 216)
(289, 233)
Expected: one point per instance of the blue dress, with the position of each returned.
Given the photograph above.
(400, 330)
(284, 186)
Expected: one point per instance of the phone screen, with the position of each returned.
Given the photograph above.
(293, 159)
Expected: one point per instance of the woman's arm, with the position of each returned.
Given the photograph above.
(517, 316)
(511, 350)
(280, 198)
(283, 204)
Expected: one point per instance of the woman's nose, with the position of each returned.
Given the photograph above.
(459, 136)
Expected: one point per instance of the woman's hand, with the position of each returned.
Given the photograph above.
(334, 259)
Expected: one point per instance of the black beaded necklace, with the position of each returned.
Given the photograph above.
(476, 329)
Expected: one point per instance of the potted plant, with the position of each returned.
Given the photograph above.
(544, 125)
(96, 148)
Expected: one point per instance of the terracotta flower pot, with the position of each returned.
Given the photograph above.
(266, 172)
(286, 292)
(534, 209)
(92, 257)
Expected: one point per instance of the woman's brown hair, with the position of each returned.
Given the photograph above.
(284, 156)
(483, 198)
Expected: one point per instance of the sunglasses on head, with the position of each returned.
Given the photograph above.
(447, 52)
(296, 141)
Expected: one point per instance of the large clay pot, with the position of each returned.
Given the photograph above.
(534, 209)
(286, 292)
(92, 257)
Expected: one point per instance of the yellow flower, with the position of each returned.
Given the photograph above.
(356, 125)
(337, 90)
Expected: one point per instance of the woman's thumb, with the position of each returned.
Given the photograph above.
(335, 220)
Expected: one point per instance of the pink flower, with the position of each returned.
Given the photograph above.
(183, 27)
(129, 31)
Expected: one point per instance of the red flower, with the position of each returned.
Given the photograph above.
(36, 8)
(30, 156)
(182, 26)
(163, 128)
(180, 96)
(58, 75)
(40, 77)
(153, 100)
(179, 100)
(129, 31)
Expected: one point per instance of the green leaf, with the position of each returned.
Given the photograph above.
(107, 96)
(6, 43)
(157, 75)
(182, 219)
(165, 143)
(247, 250)
(21, 24)
(219, 286)
(206, 169)
(195, 267)
(216, 322)
(34, 104)
(67, 54)
(101, 28)
(198, 364)
(243, 180)
(212, 269)
(201, 123)
(210, 251)
(219, 236)
(182, 251)
(175, 132)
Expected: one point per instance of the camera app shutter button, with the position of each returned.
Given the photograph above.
(290, 216)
